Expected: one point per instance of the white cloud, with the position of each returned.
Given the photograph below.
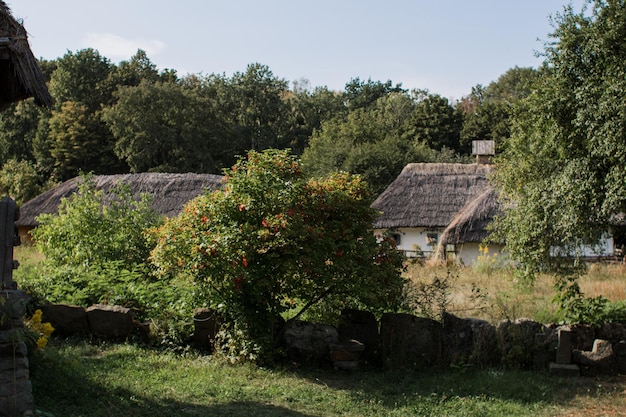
(115, 47)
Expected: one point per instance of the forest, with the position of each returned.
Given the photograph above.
(133, 117)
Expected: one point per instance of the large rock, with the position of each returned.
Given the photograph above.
(619, 349)
(67, 320)
(309, 342)
(110, 322)
(519, 343)
(361, 326)
(600, 360)
(469, 341)
(407, 340)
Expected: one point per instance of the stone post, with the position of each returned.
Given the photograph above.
(16, 398)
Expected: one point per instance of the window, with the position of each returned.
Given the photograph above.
(432, 239)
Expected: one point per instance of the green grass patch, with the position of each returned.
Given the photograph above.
(81, 379)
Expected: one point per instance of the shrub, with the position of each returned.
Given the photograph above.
(92, 228)
(96, 251)
(272, 241)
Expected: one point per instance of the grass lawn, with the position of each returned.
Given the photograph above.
(81, 379)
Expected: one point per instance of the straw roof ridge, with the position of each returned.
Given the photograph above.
(430, 194)
(169, 191)
(470, 224)
(20, 75)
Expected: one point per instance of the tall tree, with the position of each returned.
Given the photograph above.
(563, 168)
(376, 143)
(260, 108)
(487, 111)
(163, 126)
(78, 138)
(435, 122)
(82, 77)
(362, 94)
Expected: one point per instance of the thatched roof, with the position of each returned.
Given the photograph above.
(170, 192)
(430, 194)
(20, 75)
(470, 224)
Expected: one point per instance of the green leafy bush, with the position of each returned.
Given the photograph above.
(273, 242)
(93, 227)
(96, 251)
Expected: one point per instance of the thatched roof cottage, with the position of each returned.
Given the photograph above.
(439, 208)
(20, 75)
(170, 192)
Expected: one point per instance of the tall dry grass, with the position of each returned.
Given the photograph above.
(494, 292)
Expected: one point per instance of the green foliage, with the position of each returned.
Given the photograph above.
(430, 299)
(575, 308)
(272, 241)
(92, 228)
(376, 141)
(95, 252)
(562, 170)
(487, 111)
(20, 181)
(163, 127)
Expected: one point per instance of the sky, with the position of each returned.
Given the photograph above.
(444, 46)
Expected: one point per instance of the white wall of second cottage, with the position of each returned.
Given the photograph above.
(414, 239)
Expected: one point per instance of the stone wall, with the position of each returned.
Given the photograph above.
(400, 340)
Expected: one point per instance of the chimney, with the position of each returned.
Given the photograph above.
(484, 151)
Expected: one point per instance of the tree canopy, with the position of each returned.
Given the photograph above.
(131, 117)
(562, 172)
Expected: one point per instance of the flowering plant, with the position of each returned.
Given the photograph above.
(38, 332)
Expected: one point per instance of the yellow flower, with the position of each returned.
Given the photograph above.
(42, 342)
(47, 329)
(36, 316)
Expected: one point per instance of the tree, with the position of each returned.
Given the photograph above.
(77, 137)
(308, 110)
(163, 127)
(375, 142)
(360, 94)
(435, 122)
(272, 241)
(19, 180)
(563, 169)
(259, 108)
(76, 143)
(487, 111)
(82, 77)
(18, 124)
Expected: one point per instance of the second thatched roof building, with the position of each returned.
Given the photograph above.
(439, 209)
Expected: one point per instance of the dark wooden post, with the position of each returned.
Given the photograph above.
(8, 239)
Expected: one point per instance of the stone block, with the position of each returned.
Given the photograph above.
(407, 340)
(619, 350)
(361, 326)
(564, 347)
(469, 341)
(600, 359)
(67, 320)
(110, 322)
(349, 350)
(310, 342)
(205, 327)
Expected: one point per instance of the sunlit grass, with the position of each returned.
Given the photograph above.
(498, 293)
(81, 379)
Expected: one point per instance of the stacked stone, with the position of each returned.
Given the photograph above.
(16, 398)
